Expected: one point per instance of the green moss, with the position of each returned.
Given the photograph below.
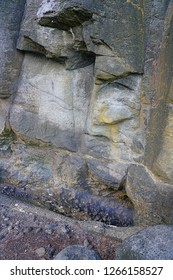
(6, 138)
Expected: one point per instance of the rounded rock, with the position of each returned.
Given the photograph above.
(40, 251)
(152, 243)
(77, 252)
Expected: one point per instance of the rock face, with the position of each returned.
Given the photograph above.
(153, 243)
(159, 77)
(86, 123)
(10, 60)
(54, 112)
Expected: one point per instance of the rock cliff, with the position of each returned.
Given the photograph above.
(86, 108)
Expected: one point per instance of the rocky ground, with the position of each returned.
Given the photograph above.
(30, 232)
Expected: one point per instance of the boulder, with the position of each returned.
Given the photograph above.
(152, 243)
(77, 252)
(152, 199)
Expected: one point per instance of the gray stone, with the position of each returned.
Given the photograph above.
(112, 174)
(153, 243)
(51, 42)
(109, 68)
(10, 17)
(77, 252)
(152, 199)
(101, 42)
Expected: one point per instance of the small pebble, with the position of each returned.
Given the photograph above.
(86, 243)
(40, 251)
(10, 227)
(34, 218)
(30, 229)
(38, 230)
(49, 231)
(2, 237)
(27, 230)
(51, 250)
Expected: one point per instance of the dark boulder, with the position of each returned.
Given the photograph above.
(77, 252)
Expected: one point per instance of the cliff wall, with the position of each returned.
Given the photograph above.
(86, 112)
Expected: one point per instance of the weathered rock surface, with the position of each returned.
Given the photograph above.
(10, 60)
(152, 199)
(153, 243)
(78, 119)
(158, 89)
(51, 103)
(115, 115)
(77, 252)
(51, 42)
(62, 182)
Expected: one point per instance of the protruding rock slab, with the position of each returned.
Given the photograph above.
(51, 42)
(105, 27)
(153, 243)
